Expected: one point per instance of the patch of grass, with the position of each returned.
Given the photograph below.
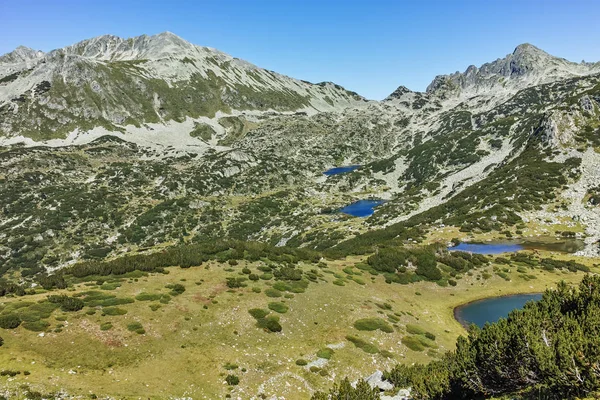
(136, 327)
(415, 329)
(281, 308)
(110, 286)
(386, 353)
(230, 366)
(413, 343)
(36, 326)
(269, 323)
(363, 344)
(270, 292)
(325, 352)
(148, 296)
(258, 313)
(106, 326)
(232, 380)
(372, 324)
(113, 311)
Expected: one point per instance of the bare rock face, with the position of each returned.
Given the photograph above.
(551, 134)
(526, 66)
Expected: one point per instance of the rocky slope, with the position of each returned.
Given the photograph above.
(211, 146)
(114, 83)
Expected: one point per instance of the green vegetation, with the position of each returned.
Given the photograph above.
(136, 327)
(232, 380)
(543, 350)
(281, 308)
(325, 352)
(372, 324)
(203, 131)
(363, 345)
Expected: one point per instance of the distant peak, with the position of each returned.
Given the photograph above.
(399, 92)
(20, 54)
(528, 48)
(25, 48)
(167, 34)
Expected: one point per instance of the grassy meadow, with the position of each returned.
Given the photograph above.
(185, 333)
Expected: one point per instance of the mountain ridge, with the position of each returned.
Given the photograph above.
(526, 66)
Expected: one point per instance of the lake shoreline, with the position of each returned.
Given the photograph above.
(465, 324)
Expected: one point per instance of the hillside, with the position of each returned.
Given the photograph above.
(111, 83)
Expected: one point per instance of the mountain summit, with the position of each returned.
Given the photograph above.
(112, 82)
(526, 66)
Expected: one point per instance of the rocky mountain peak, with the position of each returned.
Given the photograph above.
(399, 92)
(526, 66)
(21, 54)
(144, 47)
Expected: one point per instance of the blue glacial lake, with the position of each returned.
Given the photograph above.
(362, 208)
(548, 244)
(340, 170)
(491, 310)
(487, 248)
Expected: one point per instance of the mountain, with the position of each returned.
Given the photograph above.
(163, 203)
(111, 82)
(527, 66)
(202, 125)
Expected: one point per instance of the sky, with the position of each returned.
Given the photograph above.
(369, 46)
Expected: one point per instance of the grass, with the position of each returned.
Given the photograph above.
(373, 324)
(325, 353)
(279, 307)
(363, 344)
(234, 330)
(273, 293)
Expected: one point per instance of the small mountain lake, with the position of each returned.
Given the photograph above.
(362, 208)
(340, 170)
(491, 310)
(549, 244)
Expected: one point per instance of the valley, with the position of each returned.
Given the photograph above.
(178, 223)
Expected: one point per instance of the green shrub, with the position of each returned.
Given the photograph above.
(258, 313)
(114, 311)
(269, 324)
(413, 343)
(273, 293)
(230, 366)
(148, 296)
(67, 303)
(301, 362)
(232, 380)
(136, 327)
(279, 307)
(415, 329)
(106, 326)
(325, 352)
(363, 345)
(9, 321)
(372, 324)
(176, 289)
(36, 326)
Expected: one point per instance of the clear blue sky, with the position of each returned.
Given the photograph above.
(368, 46)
